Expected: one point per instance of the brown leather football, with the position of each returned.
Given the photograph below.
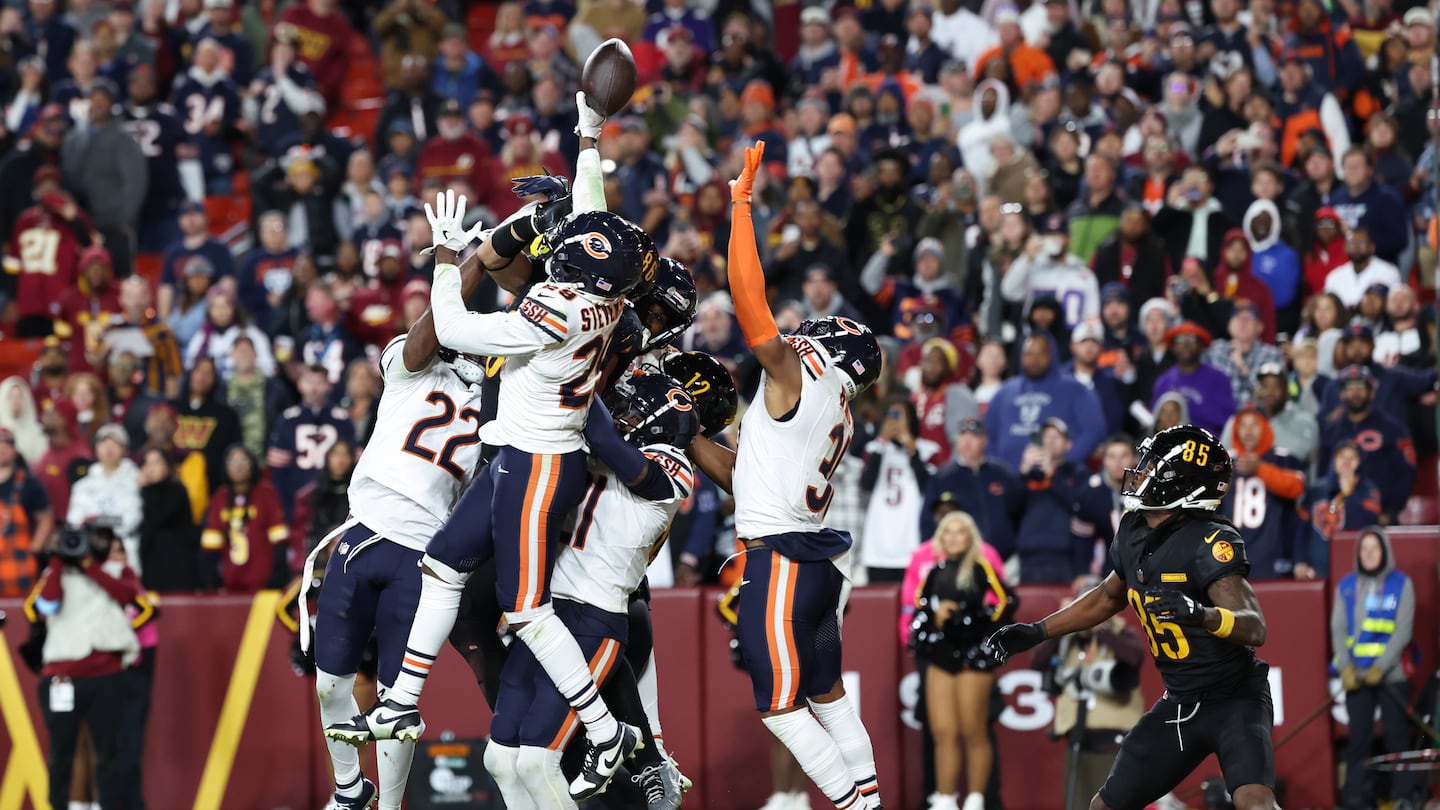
(608, 78)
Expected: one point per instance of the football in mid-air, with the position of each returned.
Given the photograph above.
(609, 77)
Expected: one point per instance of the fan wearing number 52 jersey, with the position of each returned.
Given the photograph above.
(796, 570)
(1181, 568)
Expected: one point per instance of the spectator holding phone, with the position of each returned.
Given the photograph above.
(897, 468)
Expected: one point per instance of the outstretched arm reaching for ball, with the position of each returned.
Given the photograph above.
(747, 287)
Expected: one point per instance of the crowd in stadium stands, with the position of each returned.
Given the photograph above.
(1075, 222)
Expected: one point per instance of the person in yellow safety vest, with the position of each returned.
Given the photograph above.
(1370, 628)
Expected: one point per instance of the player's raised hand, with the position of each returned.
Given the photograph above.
(1013, 639)
(743, 186)
(1173, 606)
(447, 223)
(590, 122)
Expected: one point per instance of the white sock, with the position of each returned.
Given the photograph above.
(817, 755)
(393, 758)
(501, 762)
(434, 618)
(336, 694)
(540, 771)
(649, 683)
(842, 723)
(552, 645)
(974, 801)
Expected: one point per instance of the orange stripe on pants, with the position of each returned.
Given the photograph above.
(608, 654)
(788, 631)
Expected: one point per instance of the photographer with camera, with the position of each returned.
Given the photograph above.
(88, 646)
(1094, 677)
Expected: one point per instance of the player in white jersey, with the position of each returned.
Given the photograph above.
(638, 483)
(554, 341)
(420, 457)
(791, 441)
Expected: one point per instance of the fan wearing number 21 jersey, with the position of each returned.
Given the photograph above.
(1262, 498)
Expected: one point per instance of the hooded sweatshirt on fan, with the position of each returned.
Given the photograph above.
(1262, 505)
(1242, 282)
(1271, 259)
(1369, 588)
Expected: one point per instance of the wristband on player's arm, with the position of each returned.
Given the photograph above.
(1227, 623)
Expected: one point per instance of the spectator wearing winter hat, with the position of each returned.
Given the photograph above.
(1327, 249)
(1350, 280)
(86, 309)
(18, 415)
(889, 210)
(1121, 339)
(1207, 390)
(941, 399)
(1235, 279)
(979, 484)
(1387, 453)
(195, 240)
(454, 153)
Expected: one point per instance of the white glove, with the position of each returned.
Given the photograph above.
(590, 121)
(447, 225)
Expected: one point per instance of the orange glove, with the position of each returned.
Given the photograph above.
(742, 186)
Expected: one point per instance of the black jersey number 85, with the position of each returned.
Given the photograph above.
(1166, 638)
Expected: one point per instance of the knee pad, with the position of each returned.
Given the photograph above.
(332, 688)
(444, 574)
(531, 620)
(540, 770)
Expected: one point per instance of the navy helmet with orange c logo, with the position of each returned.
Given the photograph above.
(604, 253)
(654, 409)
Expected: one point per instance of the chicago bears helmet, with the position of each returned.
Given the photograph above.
(709, 383)
(852, 348)
(603, 253)
(654, 409)
(1183, 467)
(671, 300)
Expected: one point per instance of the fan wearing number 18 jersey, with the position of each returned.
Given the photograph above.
(1182, 568)
(796, 569)
(1262, 498)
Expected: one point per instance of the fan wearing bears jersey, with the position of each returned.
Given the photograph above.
(1262, 498)
(1182, 568)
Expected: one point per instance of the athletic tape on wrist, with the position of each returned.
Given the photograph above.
(1227, 623)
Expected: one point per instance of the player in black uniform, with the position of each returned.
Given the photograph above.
(1182, 568)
